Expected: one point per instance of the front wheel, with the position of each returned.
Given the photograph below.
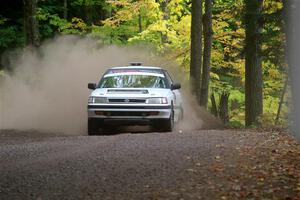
(165, 125)
(93, 127)
(168, 125)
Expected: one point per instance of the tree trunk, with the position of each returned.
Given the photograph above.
(140, 23)
(208, 32)
(196, 48)
(214, 109)
(292, 29)
(281, 101)
(166, 16)
(223, 107)
(253, 79)
(31, 24)
(88, 11)
(65, 9)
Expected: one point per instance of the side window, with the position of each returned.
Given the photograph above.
(169, 79)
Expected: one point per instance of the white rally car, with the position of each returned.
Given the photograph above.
(134, 95)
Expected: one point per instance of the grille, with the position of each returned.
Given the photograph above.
(126, 100)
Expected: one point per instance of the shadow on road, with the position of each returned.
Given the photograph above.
(125, 130)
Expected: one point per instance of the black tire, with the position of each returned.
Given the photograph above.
(166, 125)
(93, 127)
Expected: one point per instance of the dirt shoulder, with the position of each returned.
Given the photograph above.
(248, 165)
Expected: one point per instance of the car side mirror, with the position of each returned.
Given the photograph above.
(175, 86)
(92, 86)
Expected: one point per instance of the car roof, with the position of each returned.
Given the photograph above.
(136, 67)
(131, 69)
(135, 73)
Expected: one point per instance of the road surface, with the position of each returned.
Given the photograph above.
(185, 165)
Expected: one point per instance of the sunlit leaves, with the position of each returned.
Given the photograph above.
(130, 10)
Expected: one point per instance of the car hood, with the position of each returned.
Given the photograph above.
(130, 92)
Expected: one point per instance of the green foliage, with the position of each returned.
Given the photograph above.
(88, 2)
(2, 20)
(234, 124)
(165, 25)
(10, 36)
(54, 22)
(2, 73)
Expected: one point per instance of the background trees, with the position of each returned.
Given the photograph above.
(207, 35)
(253, 62)
(31, 23)
(166, 26)
(196, 48)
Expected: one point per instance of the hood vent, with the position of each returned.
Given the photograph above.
(119, 91)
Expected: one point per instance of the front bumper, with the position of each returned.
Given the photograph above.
(129, 112)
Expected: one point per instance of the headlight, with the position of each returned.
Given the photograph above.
(97, 100)
(161, 100)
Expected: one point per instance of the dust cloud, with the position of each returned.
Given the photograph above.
(47, 88)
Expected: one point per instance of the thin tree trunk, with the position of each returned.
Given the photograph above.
(196, 48)
(223, 107)
(88, 11)
(140, 23)
(208, 32)
(31, 23)
(65, 9)
(166, 16)
(214, 109)
(281, 101)
(253, 79)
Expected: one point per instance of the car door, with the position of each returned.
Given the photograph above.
(177, 97)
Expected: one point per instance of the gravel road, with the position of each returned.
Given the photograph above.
(123, 166)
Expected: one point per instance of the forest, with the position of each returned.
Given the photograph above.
(232, 51)
(238, 131)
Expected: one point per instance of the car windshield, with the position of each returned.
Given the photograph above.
(133, 81)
